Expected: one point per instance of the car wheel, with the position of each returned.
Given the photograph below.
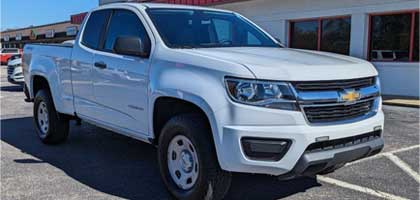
(188, 162)
(49, 127)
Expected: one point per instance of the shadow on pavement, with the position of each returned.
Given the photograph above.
(125, 167)
(12, 88)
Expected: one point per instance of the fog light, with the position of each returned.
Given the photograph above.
(265, 149)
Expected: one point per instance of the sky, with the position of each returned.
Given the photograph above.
(24, 13)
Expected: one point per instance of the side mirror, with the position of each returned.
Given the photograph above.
(133, 46)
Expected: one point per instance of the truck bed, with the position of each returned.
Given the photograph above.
(53, 63)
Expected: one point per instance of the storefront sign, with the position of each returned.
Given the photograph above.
(49, 33)
(18, 36)
(71, 31)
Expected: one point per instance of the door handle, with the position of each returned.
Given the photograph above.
(100, 65)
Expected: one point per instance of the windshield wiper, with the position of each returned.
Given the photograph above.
(182, 47)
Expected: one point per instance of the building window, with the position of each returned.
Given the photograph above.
(18, 36)
(50, 33)
(71, 31)
(394, 37)
(6, 38)
(324, 34)
(304, 35)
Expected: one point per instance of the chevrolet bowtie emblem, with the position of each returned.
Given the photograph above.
(350, 96)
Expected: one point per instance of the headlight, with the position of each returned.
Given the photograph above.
(267, 94)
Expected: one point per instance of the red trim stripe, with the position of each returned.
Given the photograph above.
(411, 51)
(319, 34)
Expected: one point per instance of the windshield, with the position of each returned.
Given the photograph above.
(187, 28)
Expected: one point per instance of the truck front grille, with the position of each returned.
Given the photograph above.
(334, 85)
(337, 112)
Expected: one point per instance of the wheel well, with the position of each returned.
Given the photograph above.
(39, 83)
(167, 107)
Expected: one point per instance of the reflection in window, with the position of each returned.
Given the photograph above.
(124, 23)
(390, 36)
(222, 28)
(216, 29)
(336, 35)
(304, 35)
(393, 38)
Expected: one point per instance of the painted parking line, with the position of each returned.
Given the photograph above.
(404, 166)
(390, 155)
(359, 188)
(385, 153)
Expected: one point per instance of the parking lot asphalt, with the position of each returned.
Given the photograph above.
(98, 164)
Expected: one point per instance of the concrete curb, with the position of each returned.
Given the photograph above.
(401, 104)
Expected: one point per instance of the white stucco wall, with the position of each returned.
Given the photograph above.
(273, 15)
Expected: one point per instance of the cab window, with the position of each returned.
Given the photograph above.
(94, 28)
(124, 23)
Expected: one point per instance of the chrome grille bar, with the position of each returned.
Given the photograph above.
(325, 106)
(334, 85)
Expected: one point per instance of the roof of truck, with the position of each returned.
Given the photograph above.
(164, 5)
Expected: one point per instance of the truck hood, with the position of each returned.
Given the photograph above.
(292, 64)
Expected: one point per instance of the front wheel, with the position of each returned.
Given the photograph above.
(188, 162)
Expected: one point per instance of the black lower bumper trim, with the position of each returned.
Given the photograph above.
(311, 164)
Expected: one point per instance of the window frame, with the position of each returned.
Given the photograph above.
(83, 34)
(412, 30)
(105, 29)
(319, 32)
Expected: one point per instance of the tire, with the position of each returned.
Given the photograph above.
(49, 127)
(212, 182)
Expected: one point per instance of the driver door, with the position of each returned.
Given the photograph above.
(121, 81)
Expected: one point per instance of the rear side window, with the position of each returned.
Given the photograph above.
(94, 28)
(124, 23)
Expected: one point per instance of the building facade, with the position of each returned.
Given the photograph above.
(49, 33)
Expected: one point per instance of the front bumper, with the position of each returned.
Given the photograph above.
(15, 75)
(18, 81)
(297, 161)
(311, 164)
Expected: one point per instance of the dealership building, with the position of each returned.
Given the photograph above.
(48, 33)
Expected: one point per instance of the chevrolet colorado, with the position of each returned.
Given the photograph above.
(211, 90)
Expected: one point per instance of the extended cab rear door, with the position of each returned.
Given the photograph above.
(82, 63)
(120, 82)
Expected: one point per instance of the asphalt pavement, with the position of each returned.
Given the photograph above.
(98, 164)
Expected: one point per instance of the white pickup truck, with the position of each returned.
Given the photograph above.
(214, 92)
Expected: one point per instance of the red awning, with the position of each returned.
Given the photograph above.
(78, 18)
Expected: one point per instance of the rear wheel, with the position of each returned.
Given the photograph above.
(51, 129)
(188, 162)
